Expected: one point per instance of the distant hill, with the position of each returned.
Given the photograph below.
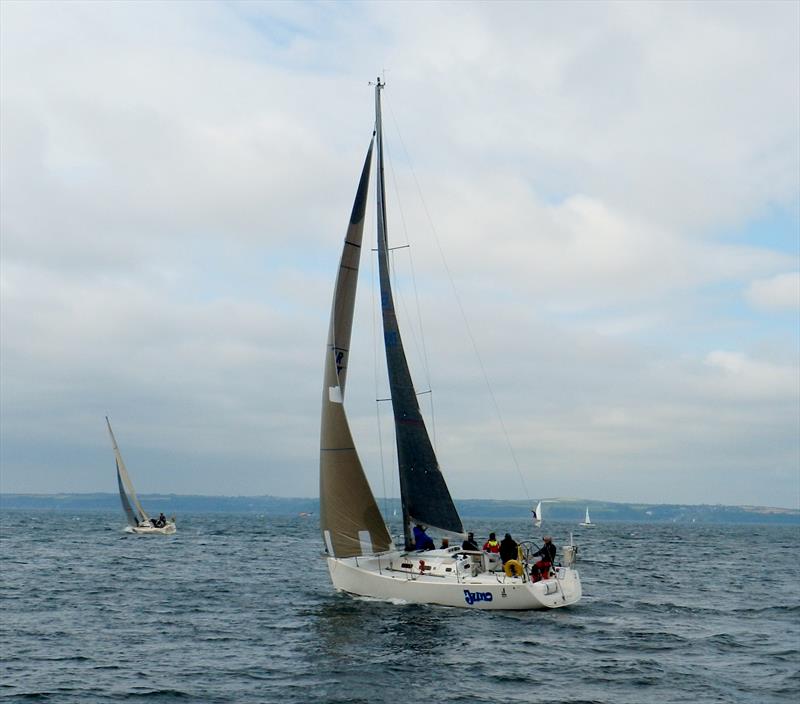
(554, 509)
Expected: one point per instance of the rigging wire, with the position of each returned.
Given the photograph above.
(460, 305)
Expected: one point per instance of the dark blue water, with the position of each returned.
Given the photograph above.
(239, 608)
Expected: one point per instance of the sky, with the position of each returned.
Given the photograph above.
(601, 203)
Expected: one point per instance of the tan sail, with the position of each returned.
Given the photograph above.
(350, 520)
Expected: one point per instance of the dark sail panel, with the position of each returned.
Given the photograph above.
(423, 491)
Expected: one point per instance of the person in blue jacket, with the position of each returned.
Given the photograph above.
(422, 541)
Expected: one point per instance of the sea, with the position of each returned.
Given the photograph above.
(240, 608)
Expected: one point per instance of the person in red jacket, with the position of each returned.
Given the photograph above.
(491, 545)
(547, 553)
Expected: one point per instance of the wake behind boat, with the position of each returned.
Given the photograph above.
(138, 521)
(361, 556)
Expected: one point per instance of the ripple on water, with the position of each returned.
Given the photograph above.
(206, 616)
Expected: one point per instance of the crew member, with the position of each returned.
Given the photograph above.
(547, 553)
(491, 545)
(422, 541)
(469, 543)
(508, 549)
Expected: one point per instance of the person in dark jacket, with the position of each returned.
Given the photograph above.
(508, 549)
(422, 541)
(547, 555)
(469, 543)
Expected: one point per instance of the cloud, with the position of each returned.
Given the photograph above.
(175, 184)
(740, 376)
(780, 292)
(689, 104)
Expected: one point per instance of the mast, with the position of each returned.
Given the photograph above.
(424, 495)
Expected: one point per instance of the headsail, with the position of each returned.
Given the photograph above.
(350, 520)
(423, 491)
(127, 494)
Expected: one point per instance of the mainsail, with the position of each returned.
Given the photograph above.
(135, 514)
(423, 492)
(350, 520)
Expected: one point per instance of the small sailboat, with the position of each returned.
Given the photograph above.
(537, 515)
(587, 521)
(138, 521)
(361, 556)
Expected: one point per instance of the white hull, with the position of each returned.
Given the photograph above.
(168, 529)
(450, 580)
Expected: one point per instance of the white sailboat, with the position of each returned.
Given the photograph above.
(537, 515)
(138, 521)
(587, 521)
(361, 556)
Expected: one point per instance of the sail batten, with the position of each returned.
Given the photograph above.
(350, 520)
(424, 495)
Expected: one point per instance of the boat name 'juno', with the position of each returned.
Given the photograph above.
(472, 597)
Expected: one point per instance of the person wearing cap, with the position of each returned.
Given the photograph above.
(547, 553)
(422, 541)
